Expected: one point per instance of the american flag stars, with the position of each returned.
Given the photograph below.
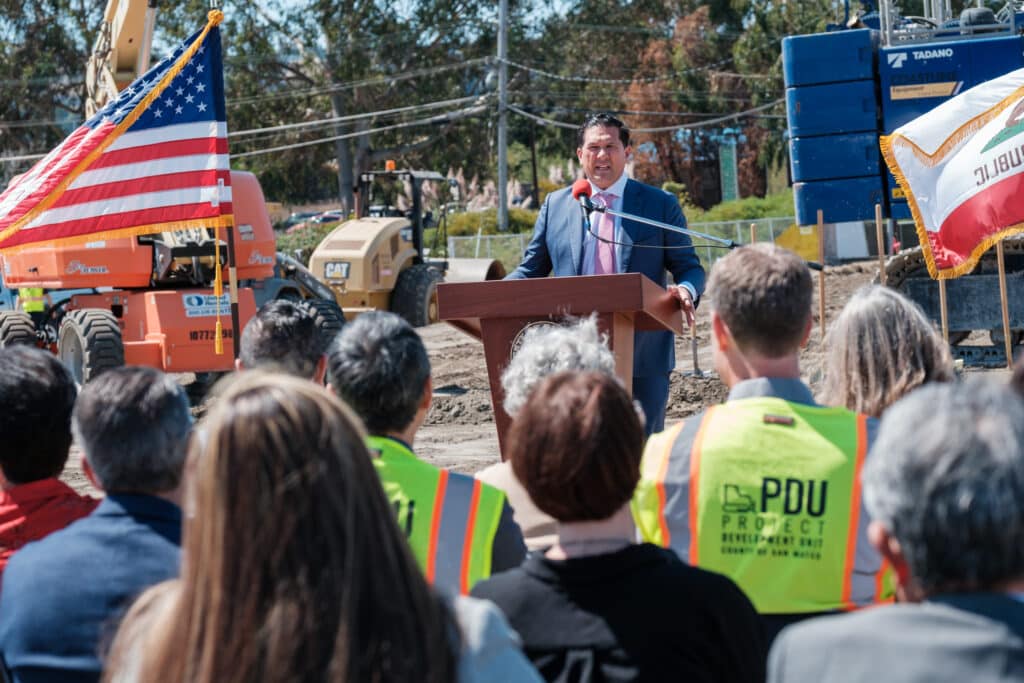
(186, 97)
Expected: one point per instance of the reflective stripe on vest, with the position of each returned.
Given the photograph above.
(32, 299)
(768, 493)
(450, 519)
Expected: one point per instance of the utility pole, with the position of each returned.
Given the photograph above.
(502, 116)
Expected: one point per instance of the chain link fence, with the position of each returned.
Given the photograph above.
(509, 248)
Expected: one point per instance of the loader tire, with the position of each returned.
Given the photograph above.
(415, 295)
(16, 327)
(328, 316)
(90, 343)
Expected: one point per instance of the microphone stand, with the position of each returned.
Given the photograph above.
(589, 206)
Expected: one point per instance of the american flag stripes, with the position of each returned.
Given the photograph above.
(154, 159)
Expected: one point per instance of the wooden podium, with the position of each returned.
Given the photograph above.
(497, 311)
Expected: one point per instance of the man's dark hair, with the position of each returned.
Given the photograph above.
(133, 424)
(605, 120)
(37, 394)
(379, 366)
(283, 335)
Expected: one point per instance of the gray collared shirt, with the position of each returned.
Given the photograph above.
(786, 388)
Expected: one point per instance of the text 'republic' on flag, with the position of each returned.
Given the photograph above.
(154, 159)
(961, 167)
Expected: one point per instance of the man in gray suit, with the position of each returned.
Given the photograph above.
(945, 489)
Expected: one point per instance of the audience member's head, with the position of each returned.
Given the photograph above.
(133, 425)
(283, 336)
(547, 349)
(944, 485)
(37, 394)
(760, 308)
(880, 348)
(293, 565)
(576, 446)
(379, 366)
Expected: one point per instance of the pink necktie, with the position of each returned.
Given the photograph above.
(604, 257)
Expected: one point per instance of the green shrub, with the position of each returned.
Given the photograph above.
(471, 222)
(304, 240)
(771, 206)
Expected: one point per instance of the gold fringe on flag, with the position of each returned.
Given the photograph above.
(218, 291)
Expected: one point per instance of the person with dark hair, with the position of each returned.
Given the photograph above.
(597, 606)
(293, 566)
(945, 489)
(564, 243)
(283, 335)
(461, 530)
(764, 488)
(61, 594)
(37, 394)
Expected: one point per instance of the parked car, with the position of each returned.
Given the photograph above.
(298, 217)
(327, 217)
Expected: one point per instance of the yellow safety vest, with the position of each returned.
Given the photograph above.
(767, 492)
(450, 519)
(32, 299)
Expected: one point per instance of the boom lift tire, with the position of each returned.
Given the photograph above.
(415, 294)
(90, 343)
(328, 316)
(16, 327)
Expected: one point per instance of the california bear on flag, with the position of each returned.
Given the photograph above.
(961, 167)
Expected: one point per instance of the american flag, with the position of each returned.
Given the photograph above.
(154, 159)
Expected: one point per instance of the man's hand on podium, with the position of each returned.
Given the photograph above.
(682, 295)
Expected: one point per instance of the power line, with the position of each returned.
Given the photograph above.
(663, 129)
(354, 117)
(635, 112)
(338, 87)
(443, 118)
(616, 81)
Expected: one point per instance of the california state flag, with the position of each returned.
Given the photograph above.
(961, 166)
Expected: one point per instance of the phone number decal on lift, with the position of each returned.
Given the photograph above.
(207, 335)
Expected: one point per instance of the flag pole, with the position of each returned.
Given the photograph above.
(236, 333)
(943, 314)
(821, 273)
(1007, 340)
(881, 244)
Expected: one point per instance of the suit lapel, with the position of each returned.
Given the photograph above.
(630, 204)
(577, 228)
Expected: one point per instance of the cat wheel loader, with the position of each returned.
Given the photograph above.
(377, 260)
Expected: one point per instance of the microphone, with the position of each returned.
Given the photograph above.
(581, 193)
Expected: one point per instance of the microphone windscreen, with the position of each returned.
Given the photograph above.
(581, 188)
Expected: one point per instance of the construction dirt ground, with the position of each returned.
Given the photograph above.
(459, 432)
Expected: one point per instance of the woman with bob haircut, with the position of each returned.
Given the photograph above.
(880, 348)
(596, 606)
(293, 567)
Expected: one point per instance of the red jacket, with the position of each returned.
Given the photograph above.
(30, 511)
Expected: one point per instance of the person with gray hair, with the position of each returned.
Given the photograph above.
(545, 350)
(460, 530)
(945, 490)
(61, 594)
